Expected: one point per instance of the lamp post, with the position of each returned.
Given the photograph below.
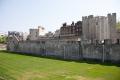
(103, 59)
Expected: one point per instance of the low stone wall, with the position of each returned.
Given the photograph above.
(50, 48)
(69, 50)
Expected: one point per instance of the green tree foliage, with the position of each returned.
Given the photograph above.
(118, 25)
(3, 39)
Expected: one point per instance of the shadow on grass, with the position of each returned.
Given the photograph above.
(88, 61)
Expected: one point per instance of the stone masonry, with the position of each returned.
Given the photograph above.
(75, 41)
(74, 50)
(99, 27)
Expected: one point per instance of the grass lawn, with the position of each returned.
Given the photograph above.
(23, 67)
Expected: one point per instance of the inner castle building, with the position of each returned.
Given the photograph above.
(99, 28)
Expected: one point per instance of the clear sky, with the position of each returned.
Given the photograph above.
(20, 15)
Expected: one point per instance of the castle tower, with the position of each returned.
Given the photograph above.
(99, 28)
(112, 26)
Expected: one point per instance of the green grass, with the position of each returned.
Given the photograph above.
(23, 67)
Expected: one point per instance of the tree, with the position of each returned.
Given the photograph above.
(3, 39)
(118, 25)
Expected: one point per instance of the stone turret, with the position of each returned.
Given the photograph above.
(112, 26)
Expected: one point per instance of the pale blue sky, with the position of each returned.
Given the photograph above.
(20, 15)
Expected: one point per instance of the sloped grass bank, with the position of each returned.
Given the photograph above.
(23, 67)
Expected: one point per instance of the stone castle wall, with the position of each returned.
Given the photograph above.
(68, 50)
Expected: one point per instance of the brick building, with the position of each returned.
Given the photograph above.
(75, 29)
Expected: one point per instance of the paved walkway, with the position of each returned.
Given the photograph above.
(2, 46)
